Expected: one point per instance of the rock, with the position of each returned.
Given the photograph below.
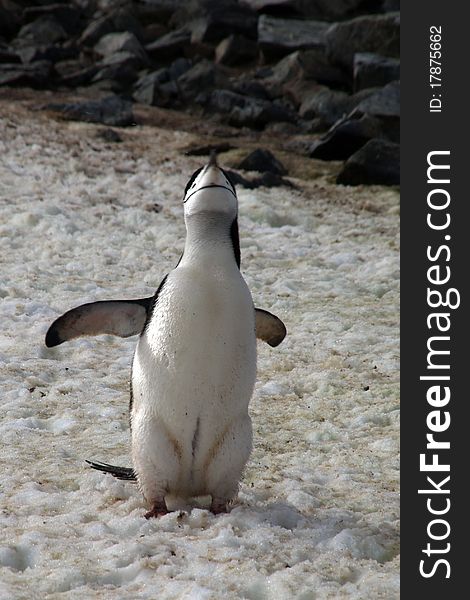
(112, 43)
(377, 162)
(67, 15)
(264, 180)
(270, 180)
(379, 34)
(222, 18)
(156, 89)
(54, 53)
(202, 76)
(10, 18)
(73, 73)
(178, 67)
(384, 103)
(45, 30)
(278, 37)
(124, 20)
(119, 69)
(36, 74)
(97, 29)
(263, 161)
(246, 111)
(153, 32)
(374, 70)
(330, 10)
(8, 56)
(297, 73)
(109, 135)
(330, 105)
(207, 149)
(118, 20)
(170, 46)
(156, 11)
(159, 88)
(111, 110)
(250, 87)
(346, 137)
(236, 50)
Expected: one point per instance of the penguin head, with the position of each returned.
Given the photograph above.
(210, 191)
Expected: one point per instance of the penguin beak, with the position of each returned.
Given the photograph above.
(213, 160)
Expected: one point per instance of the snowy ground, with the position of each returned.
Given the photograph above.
(317, 516)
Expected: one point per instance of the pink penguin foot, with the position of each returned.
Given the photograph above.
(219, 506)
(158, 509)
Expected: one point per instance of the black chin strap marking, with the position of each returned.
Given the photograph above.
(212, 185)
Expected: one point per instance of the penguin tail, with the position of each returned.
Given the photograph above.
(124, 473)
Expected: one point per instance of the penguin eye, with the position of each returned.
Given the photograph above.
(229, 180)
(192, 181)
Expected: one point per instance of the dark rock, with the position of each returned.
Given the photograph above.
(73, 73)
(250, 87)
(245, 111)
(124, 20)
(67, 15)
(202, 76)
(236, 50)
(153, 32)
(155, 89)
(222, 18)
(97, 29)
(36, 74)
(278, 37)
(263, 161)
(384, 103)
(10, 18)
(170, 46)
(270, 180)
(207, 149)
(109, 135)
(346, 137)
(111, 110)
(379, 34)
(156, 11)
(119, 69)
(159, 88)
(112, 43)
(118, 20)
(373, 70)
(330, 10)
(265, 180)
(313, 64)
(53, 53)
(8, 56)
(45, 30)
(330, 105)
(377, 162)
(178, 67)
(298, 73)
(238, 179)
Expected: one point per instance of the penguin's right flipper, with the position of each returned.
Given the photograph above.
(124, 473)
(115, 317)
(269, 328)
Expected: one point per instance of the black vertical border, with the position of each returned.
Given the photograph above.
(422, 132)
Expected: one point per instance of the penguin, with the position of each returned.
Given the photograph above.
(194, 367)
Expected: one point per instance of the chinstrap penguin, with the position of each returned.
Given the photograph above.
(194, 367)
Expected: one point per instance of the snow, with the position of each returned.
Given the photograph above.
(317, 515)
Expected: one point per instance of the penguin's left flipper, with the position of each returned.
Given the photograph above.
(269, 328)
(127, 317)
(114, 317)
(124, 473)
